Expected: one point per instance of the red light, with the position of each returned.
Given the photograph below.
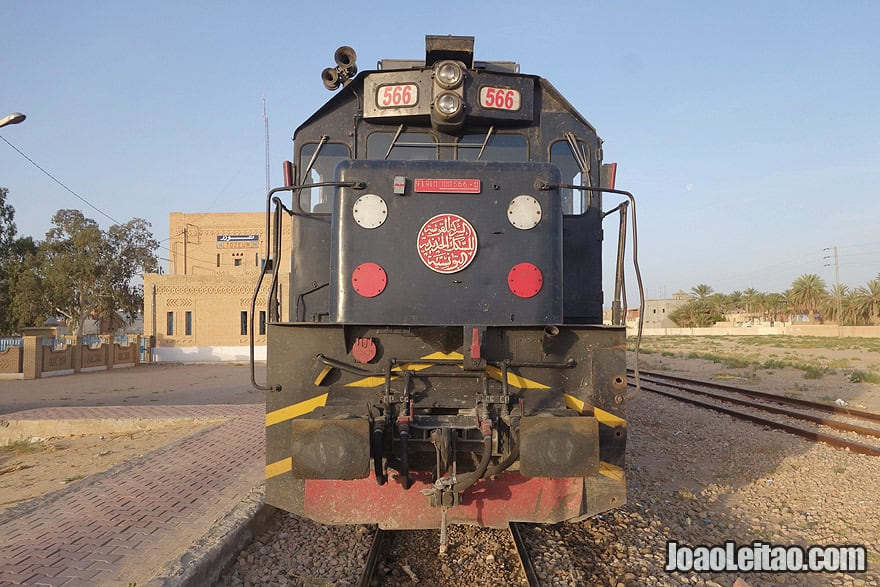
(369, 279)
(525, 280)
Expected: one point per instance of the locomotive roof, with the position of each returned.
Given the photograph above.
(357, 84)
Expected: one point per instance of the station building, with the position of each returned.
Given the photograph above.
(200, 309)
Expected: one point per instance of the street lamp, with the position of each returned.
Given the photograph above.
(13, 118)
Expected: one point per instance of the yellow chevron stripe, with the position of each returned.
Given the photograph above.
(604, 417)
(298, 409)
(377, 380)
(609, 419)
(279, 467)
(574, 403)
(515, 380)
(324, 372)
(611, 471)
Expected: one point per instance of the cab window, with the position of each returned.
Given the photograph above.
(499, 147)
(409, 146)
(320, 200)
(574, 202)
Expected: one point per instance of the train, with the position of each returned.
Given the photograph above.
(444, 358)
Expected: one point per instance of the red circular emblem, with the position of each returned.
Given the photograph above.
(369, 279)
(525, 280)
(447, 243)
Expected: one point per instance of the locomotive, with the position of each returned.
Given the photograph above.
(444, 359)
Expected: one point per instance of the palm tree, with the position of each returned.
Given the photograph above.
(867, 301)
(735, 299)
(702, 291)
(773, 305)
(807, 293)
(832, 307)
(751, 298)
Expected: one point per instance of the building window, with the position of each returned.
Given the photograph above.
(244, 322)
(218, 259)
(262, 321)
(256, 259)
(188, 324)
(238, 262)
(169, 324)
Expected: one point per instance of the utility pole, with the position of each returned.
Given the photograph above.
(837, 289)
(185, 240)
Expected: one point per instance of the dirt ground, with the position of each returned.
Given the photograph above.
(834, 361)
(28, 470)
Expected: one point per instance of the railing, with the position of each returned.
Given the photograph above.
(57, 344)
(5, 343)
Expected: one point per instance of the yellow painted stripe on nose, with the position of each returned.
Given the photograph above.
(298, 409)
(377, 380)
(609, 419)
(574, 403)
(611, 471)
(604, 417)
(514, 379)
(279, 467)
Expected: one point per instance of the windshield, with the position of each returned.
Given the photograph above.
(320, 200)
(409, 146)
(573, 201)
(499, 147)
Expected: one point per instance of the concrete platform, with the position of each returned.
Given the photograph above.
(160, 519)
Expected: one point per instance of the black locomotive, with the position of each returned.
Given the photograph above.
(444, 360)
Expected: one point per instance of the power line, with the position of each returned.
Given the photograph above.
(59, 182)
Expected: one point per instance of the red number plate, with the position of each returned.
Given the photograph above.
(500, 98)
(397, 96)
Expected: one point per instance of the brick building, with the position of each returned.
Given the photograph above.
(199, 311)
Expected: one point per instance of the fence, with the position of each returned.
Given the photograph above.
(33, 357)
(5, 343)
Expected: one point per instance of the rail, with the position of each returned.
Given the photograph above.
(691, 387)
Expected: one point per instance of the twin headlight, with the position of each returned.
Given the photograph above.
(448, 80)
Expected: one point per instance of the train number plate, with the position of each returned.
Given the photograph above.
(397, 96)
(500, 98)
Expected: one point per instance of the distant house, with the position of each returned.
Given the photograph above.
(657, 311)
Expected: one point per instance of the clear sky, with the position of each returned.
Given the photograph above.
(748, 131)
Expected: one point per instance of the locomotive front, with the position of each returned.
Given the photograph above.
(438, 354)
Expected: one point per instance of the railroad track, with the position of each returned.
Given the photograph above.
(382, 539)
(757, 401)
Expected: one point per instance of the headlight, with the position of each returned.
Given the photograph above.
(448, 104)
(449, 74)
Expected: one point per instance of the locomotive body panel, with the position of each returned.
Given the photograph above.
(446, 303)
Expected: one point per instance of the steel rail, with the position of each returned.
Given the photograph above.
(836, 424)
(764, 395)
(524, 560)
(855, 447)
(373, 558)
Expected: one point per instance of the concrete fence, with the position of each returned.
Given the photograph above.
(36, 357)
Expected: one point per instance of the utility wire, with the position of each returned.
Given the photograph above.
(56, 180)
(59, 182)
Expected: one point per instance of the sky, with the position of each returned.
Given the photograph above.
(748, 131)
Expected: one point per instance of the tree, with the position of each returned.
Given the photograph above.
(807, 293)
(698, 313)
(836, 305)
(702, 291)
(13, 252)
(866, 302)
(81, 271)
(751, 298)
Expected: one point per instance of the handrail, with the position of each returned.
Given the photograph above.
(273, 244)
(545, 186)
